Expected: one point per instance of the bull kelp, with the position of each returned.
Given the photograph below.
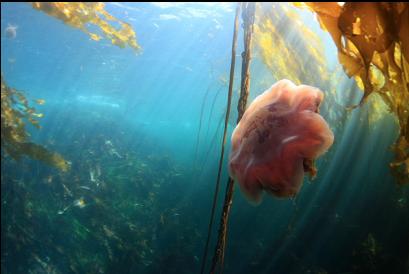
(293, 51)
(139, 136)
(373, 47)
(16, 112)
(81, 15)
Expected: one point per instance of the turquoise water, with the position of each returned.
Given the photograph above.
(143, 133)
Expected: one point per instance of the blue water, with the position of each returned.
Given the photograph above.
(142, 133)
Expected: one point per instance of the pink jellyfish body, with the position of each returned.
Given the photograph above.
(277, 139)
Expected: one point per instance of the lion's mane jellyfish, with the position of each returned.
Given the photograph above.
(277, 140)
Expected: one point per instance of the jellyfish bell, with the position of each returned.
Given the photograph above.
(277, 140)
(11, 31)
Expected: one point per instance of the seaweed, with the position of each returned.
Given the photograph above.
(15, 110)
(373, 48)
(107, 222)
(280, 53)
(15, 113)
(83, 14)
(290, 50)
(370, 256)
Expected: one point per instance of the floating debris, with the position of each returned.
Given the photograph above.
(11, 31)
(40, 101)
(66, 190)
(79, 203)
(401, 203)
(162, 219)
(98, 170)
(146, 262)
(49, 179)
(85, 187)
(64, 210)
(109, 249)
(92, 176)
(111, 149)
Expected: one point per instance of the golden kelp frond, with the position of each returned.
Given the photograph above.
(38, 152)
(277, 29)
(83, 14)
(377, 108)
(15, 112)
(373, 47)
(292, 51)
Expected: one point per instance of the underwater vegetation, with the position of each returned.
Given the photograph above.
(109, 213)
(372, 44)
(83, 14)
(300, 64)
(15, 114)
(375, 54)
(15, 110)
(297, 57)
(122, 206)
(373, 47)
(287, 57)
